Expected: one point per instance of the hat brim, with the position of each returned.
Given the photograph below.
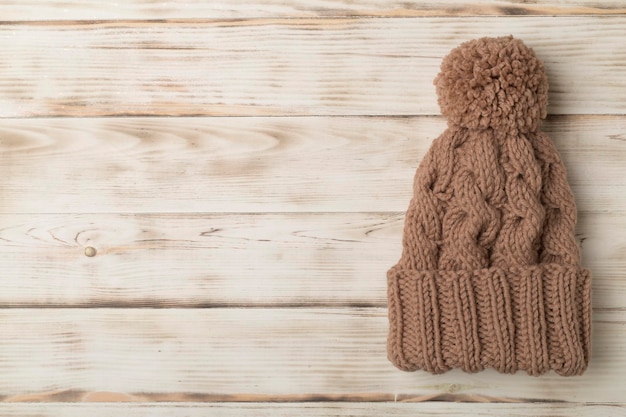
(533, 318)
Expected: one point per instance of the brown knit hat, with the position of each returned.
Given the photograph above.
(490, 273)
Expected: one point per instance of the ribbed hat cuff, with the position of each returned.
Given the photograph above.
(532, 318)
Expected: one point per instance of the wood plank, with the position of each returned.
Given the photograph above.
(330, 66)
(239, 355)
(173, 260)
(240, 9)
(329, 409)
(260, 164)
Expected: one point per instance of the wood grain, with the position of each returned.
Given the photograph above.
(330, 66)
(262, 354)
(240, 9)
(252, 260)
(235, 266)
(308, 409)
(332, 164)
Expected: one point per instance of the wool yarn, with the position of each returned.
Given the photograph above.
(490, 273)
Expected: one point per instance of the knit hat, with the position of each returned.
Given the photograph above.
(490, 273)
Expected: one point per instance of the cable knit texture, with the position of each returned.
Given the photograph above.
(490, 273)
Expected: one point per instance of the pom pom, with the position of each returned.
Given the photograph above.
(495, 83)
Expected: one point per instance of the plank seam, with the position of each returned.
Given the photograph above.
(290, 20)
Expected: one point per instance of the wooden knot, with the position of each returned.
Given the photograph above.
(90, 251)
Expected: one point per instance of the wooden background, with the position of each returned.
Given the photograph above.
(199, 202)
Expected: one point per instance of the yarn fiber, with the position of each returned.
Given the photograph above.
(490, 273)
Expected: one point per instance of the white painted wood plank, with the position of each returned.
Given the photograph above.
(308, 409)
(223, 260)
(258, 355)
(260, 164)
(287, 66)
(197, 260)
(238, 9)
